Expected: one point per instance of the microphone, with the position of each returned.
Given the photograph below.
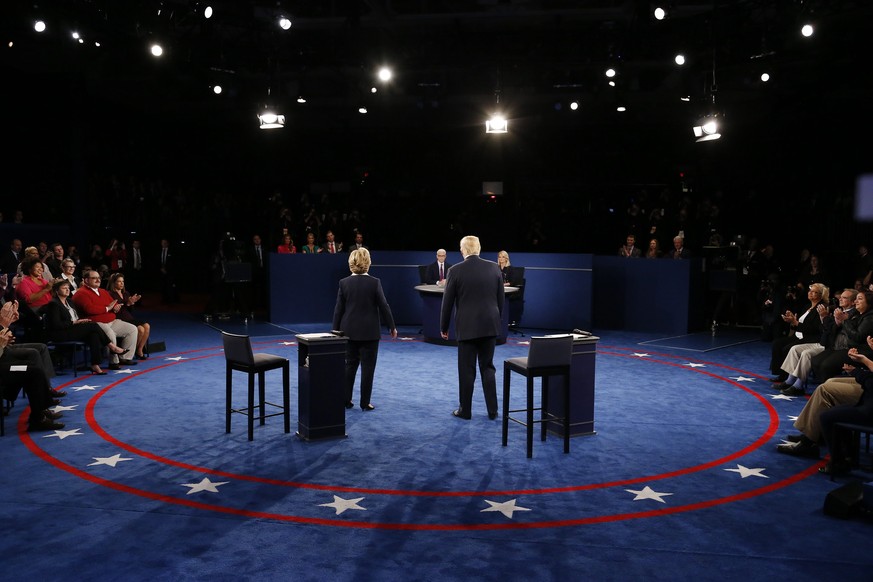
(582, 332)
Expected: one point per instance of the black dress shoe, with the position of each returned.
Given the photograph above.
(58, 393)
(114, 366)
(800, 449)
(45, 424)
(458, 414)
(778, 378)
(350, 405)
(52, 415)
(793, 391)
(793, 438)
(782, 386)
(368, 408)
(127, 362)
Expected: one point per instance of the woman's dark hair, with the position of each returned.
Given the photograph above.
(27, 264)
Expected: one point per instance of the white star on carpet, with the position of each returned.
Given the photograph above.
(62, 434)
(648, 493)
(506, 508)
(60, 408)
(782, 397)
(204, 485)
(288, 343)
(341, 504)
(111, 461)
(176, 359)
(742, 379)
(406, 339)
(84, 387)
(746, 472)
(124, 371)
(641, 355)
(693, 365)
(786, 442)
(792, 417)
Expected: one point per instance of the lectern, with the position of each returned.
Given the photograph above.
(321, 397)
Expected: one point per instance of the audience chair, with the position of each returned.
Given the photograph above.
(547, 356)
(855, 431)
(238, 356)
(70, 349)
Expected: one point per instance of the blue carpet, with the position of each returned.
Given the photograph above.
(681, 480)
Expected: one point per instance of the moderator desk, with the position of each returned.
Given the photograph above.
(581, 390)
(431, 304)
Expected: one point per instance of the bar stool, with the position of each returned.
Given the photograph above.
(239, 356)
(855, 431)
(547, 356)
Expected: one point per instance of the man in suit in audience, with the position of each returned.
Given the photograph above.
(10, 259)
(257, 256)
(679, 251)
(474, 289)
(437, 270)
(168, 283)
(330, 245)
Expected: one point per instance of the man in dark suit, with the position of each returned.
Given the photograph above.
(257, 256)
(10, 259)
(437, 270)
(474, 288)
(168, 283)
(679, 251)
(360, 302)
(330, 245)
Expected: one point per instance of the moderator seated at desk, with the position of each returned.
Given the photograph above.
(431, 303)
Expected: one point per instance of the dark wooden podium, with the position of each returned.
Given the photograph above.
(321, 397)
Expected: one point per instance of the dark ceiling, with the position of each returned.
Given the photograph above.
(448, 55)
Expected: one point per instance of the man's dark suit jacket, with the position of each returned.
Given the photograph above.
(432, 275)
(9, 264)
(475, 288)
(359, 303)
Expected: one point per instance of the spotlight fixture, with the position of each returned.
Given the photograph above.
(362, 110)
(301, 99)
(765, 77)
(621, 108)
(156, 50)
(271, 120)
(39, 26)
(660, 13)
(807, 30)
(707, 128)
(610, 72)
(679, 59)
(574, 105)
(284, 22)
(217, 89)
(207, 12)
(497, 124)
(385, 74)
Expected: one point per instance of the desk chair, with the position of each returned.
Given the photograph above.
(69, 349)
(239, 356)
(547, 356)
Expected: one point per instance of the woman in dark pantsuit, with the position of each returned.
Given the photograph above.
(360, 310)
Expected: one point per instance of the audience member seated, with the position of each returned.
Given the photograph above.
(859, 413)
(96, 304)
(798, 362)
(654, 250)
(62, 324)
(68, 274)
(33, 253)
(438, 270)
(628, 250)
(287, 247)
(330, 245)
(55, 260)
(127, 301)
(854, 332)
(33, 290)
(310, 248)
(805, 329)
(679, 251)
(359, 242)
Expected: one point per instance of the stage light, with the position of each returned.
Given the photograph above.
(612, 83)
(156, 50)
(707, 128)
(574, 105)
(362, 110)
(385, 74)
(765, 77)
(497, 124)
(217, 89)
(807, 30)
(621, 108)
(374, 90)
(284, 23)
(270, 120)
(660, 13)
(301, 99)
(207, 12)
(679, 59)
(610, 72)
(39, 26)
